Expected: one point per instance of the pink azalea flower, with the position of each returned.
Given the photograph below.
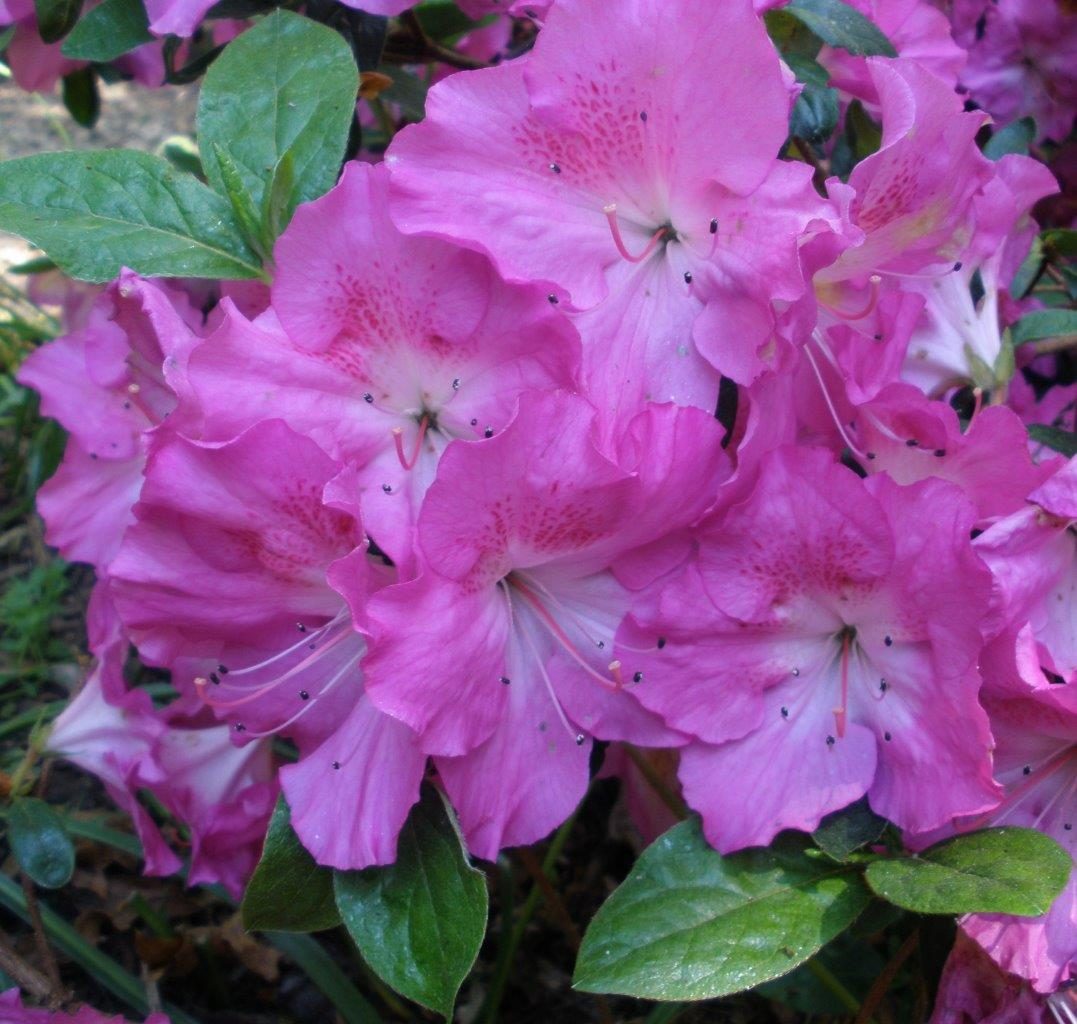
(822, 646)
(1021, 60)
(593, 166)
(955, 330)
(917, 31)
(234, 558)
(12, 1011)
(499, 654)
(112, 732)
(912, 198)
(108, 383)
(973, 990)
(1035, 727)
(391, 347)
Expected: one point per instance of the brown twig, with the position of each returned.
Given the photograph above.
(552, 897)
(886, 978)
(44, 950)
(433, 50)
(1059, 344)
(25, 975)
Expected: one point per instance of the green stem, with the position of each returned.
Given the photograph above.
(507, 954)
(833, 985)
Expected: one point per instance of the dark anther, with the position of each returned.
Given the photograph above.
(368, 397)
(388, 488)
(504, 680)
(336, 766)
(643, 116)
(714, 225)
(911, 443)
(300, 627)
(552, 299)
(661, 642)
(240, 727)
(637, 677)
(214, 678)
(488, 432)
(456, 383)
(580, 738)
(555, 168)
(940, 452)
(474, 423)
(830, 741)
(887, 737)
(785, 712)
(303, 695)
(688, 277)
(888, 640)
(1027, 770)
(957, 265)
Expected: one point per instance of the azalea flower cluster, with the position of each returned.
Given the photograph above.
(450, 497)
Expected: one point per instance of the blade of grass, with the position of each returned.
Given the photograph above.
(103, 969)
(322, 969)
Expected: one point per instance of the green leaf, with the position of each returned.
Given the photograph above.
(288, 85)
(109, 31)
(81, 97)
(236, 192)
(1045, 323)
(1063, 441)
(278, 201)
(40, 843)
(55, 18)
(288, 892)
(689, 923)
(838, 24)
(994, 871)
(34, 265)
(844, 831)
(96, 212)
(1060, 242)
(1016, 137)
(419, 923)
(815, 114)
(1029, 271)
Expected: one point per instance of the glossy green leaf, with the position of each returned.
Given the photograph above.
(81, 97)
(815, 114)
(1044, 323)
(844, 831)
(55, 18)
(1016, 137)
(1029, 271)
(419, 922)
(288, 85)
(1064, 441)
(994, 871)
(689, 923)
(96, 212)
(839, 24)
(108, 31)
(40, 843)
(288, 892)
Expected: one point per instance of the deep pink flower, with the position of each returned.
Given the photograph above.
(822, 646)
(499, 654)
(1034, 722)
(598, 166)
(231, 560)
(391, 347)
(108, 383)
(1021, 60)
(973, 990)
(911, 198)
(12, 1011)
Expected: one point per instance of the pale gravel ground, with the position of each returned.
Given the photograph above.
(131, 116)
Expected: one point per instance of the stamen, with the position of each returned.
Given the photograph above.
(611, 215)
(549, 688)
(869, 306)
(557, 632)
(830, 406)
(841, 713)
(398, 440)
